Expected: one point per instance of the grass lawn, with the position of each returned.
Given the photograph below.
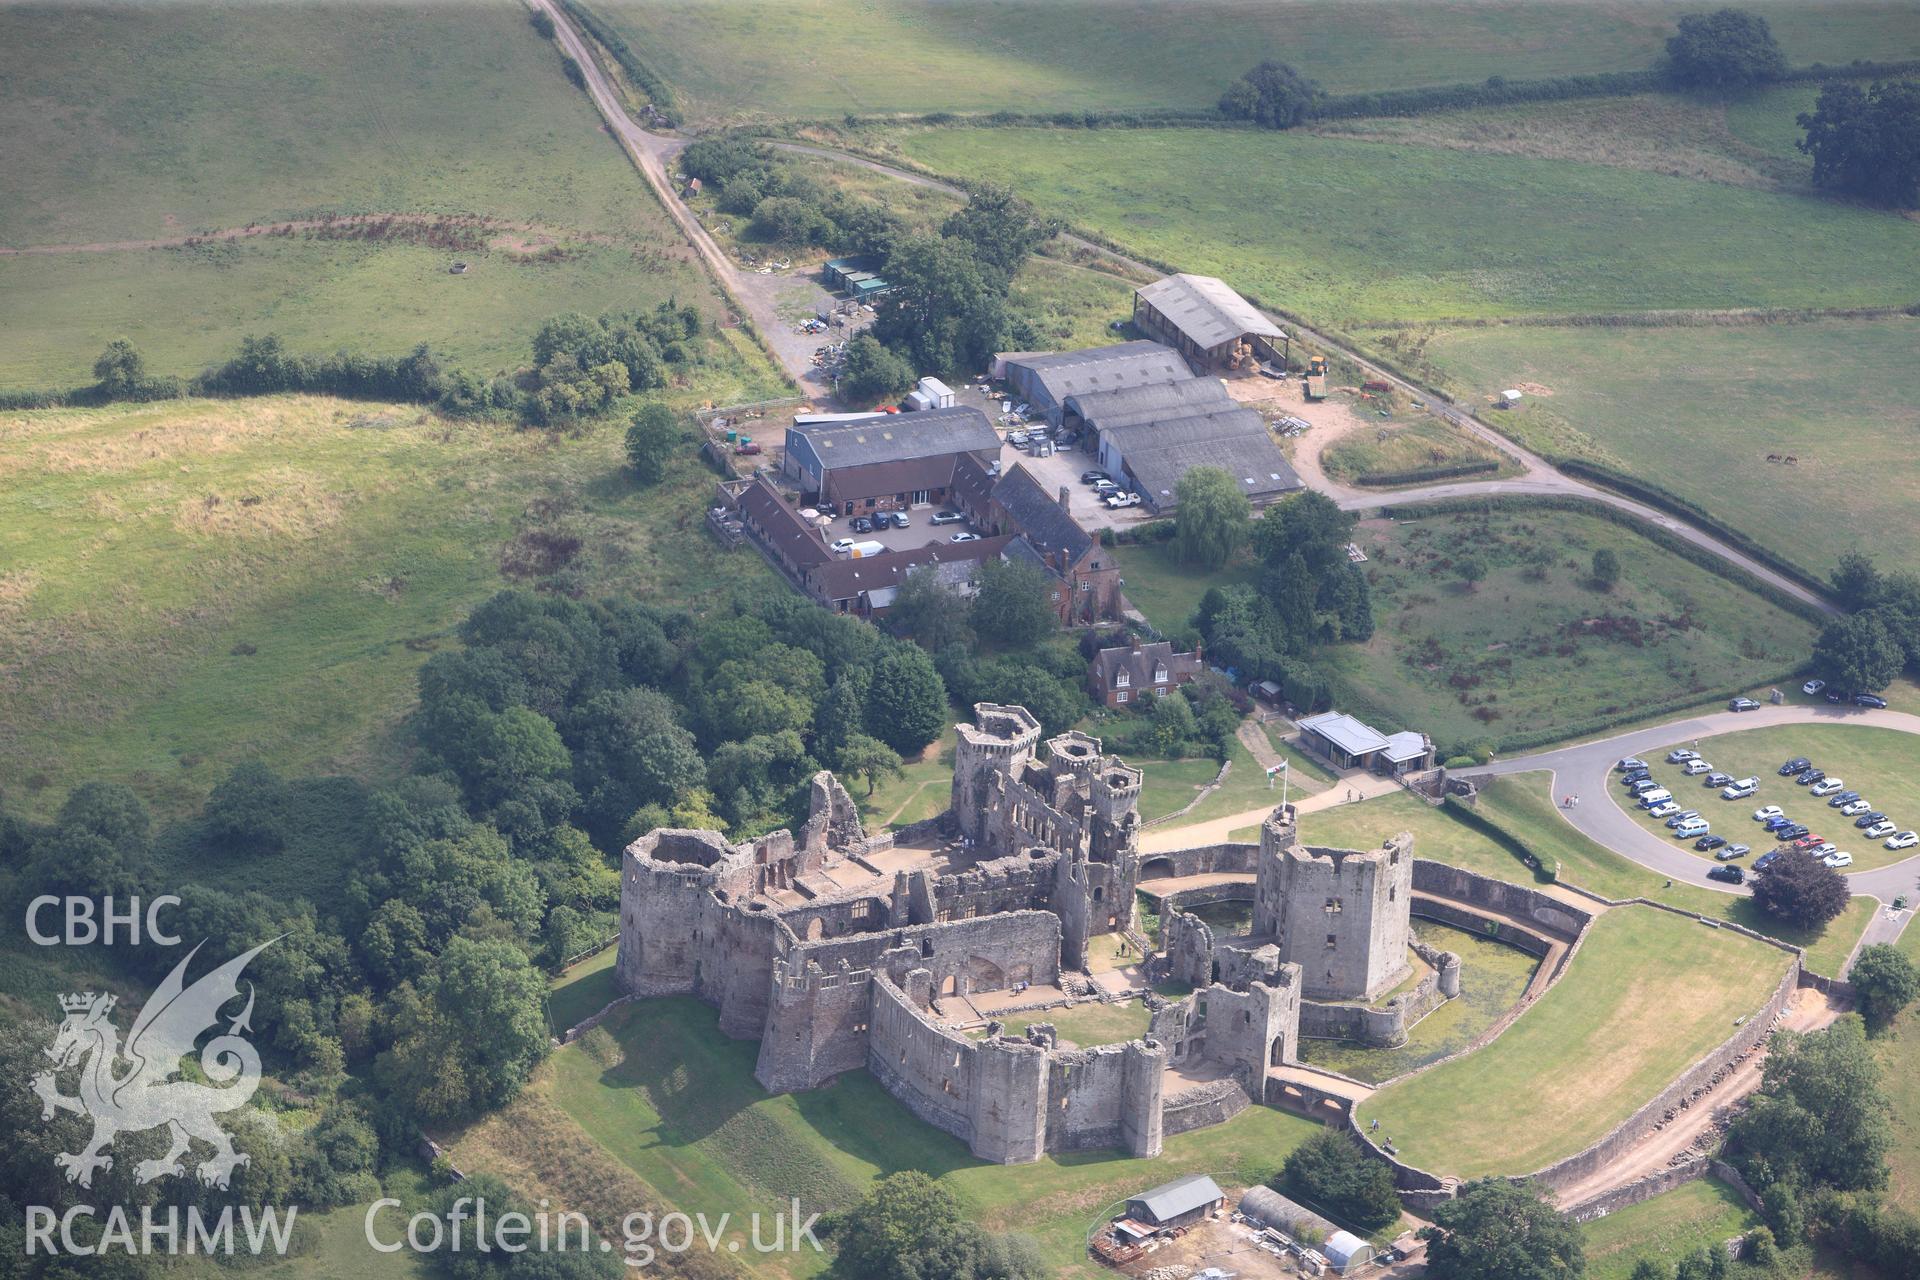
(1898, 1051)
(1535, 645)
(732, 60)
(1692, 1216)
(1881, 764)
(1699, 409)
(1424, 442)
(1350, 231)
(194, 583)
(675, 1103)
(1167, 785)
(920, 792)
(1596, 1046)
(1165, 591)
(1088, 1025)
(582, 991)
(1070, 306)
(160, 121)
(1492, 977)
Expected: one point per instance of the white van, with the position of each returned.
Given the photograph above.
(861, 550)
(1659, 795)
(1690, 828)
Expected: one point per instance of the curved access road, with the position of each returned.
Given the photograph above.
(1586, 770)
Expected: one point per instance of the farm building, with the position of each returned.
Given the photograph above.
(1266, 1207)
(1353, 744)
(1044, 380)
(1179, 1203)
(885, 461)
(1152, 456)
(1205, 320)
(1139, 673)
(1083, 576)
(867, 586)
(857, 277)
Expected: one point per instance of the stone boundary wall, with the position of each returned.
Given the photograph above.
(593, 1020)
(1640, 1189)
(1207, 895)
(1226, 858)
(1207, 1105)
(1502, 896)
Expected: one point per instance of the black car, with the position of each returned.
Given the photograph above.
(862, 524)
(1793, 832)
(1638, 775)
(1842, 800)
(1866, 820)
(1811, 776)
(1729, 873)
(1717, 780)
(1093, 477)
(1870, 700)
(1707, 844)
(1799, 764)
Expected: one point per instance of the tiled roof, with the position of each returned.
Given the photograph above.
(1040, 516)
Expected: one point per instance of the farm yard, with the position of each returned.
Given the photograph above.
(1648, 994)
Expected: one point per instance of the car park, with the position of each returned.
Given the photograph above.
(1827, 787)
(1870, 700)
(1695, 767)
(1813, 686)
(1870, 819)
(1810, 777)
(1905, 840)
(1742, 704)
(1662, 809)
(1717, 780)
(1766, 811)
(1853, 808)
(946, 517)
(1707, 844)
(1838, 860)
(1630, 764)
(1799, 764)
(964, 537)
(1685, 815)
(1680, 755)
(1732, 851)
(1730, 874)
(1739, 790)
(1880, 830)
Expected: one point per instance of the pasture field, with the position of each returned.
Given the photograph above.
(1883, 765)
(674, 1105)
(1648, 994)
(193, 583)
(1699, 410)
(1350, 232)
(157, 122)
(1695, 1215)
(1535, 645)
(1492, 977)
(736, 60)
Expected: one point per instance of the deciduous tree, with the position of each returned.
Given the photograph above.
(1212, 518)
(1885, 981)
(651, 440)
(1500, 1230)
(1728, 50)
(1858, 654)
(1011, 603)
(1866, 142)
(907, 704)
(1801, 891)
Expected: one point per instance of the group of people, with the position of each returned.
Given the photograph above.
(1569, 802)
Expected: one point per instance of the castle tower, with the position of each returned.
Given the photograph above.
(998, 739)
(1115, 797)
(1142, 1104)
(1342, 915)
(1075, 753)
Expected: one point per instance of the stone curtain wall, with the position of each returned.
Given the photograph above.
(1640, 1189)
(1215, 1102)
(1232, 858)
(1548, 913)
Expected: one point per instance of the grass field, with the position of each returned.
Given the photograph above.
(1348, 231)
(1881, 764)
(1167, 592)
(1698, 410)
(921, 792)
(1695, 1215)
(1426, 442)
(194, 583)
(583, 990)
(159, 121)
(1535, 644)
(1648, 994)
(1492, 977)
(1898, 1052)
(1087, 1025)
(676, 1104)
(731, 60)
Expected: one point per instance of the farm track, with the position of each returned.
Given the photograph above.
(257, 230)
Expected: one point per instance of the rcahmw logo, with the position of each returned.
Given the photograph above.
(145, 1095)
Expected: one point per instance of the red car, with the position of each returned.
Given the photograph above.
(752, 446)
(1808, 841)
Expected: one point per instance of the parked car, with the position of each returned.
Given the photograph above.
(964, 537)
(1707, 844)
(749, 448)
(1905, 840)
(1018, 439)
(1742, 704)
(862, 524)
(1764, 861)
(1092, 477)
(1824, 849)
(947, 517)
(1827, 787)
(1872, 818)
(1870, 700)
(1685, 815)
(1730, 874)
(1835, 696)
(1853, 808)
(1767, 811)
(1838, 860)
(1799, 764)
(1634, 779)
(1808, 841)
(1659, 795)
(1690, 828)
(1808, 777)
(1717, 780)
(1103, 486)
(1739, 790)
(1842, 799)
(1630, 764)
(840, 546)
(1732, 851)
(1119, 500)
(1680, 755)
(1779, 824)
(1793, 831)
(1662, 809)
(1880, 830)
(901, 520)
(1695, 767)
(1813, 686)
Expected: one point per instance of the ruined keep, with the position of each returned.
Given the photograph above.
(1342, 915)
(839, 950)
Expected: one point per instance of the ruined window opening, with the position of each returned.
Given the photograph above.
(926, 948)
(1098, 894)
(1392, 891)
(1333, 940)
(1334, 906)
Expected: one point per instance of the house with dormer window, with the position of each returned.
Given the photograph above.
(1131, 674)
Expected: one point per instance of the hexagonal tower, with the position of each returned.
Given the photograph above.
(1342, 915)
(998, 738)
(1075, 753)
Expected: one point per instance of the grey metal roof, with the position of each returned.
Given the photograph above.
(1206, 310)
(1182, 1195)
(1256, 464)
(1406, 745)
(894, 437)
(1126, 364)
(1228, 423)
(1343, 731)
(1123, 406)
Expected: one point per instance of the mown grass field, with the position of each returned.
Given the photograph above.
(1492, 977)
(194, 583)
(1695, 1215)
(732, 60)
(1535, 644)
(675, 1104)
(160, 121)
(1349, 232)
(1699, 410)
(1648, 994)
(1881, 764)
(920, 792)
(583, 990)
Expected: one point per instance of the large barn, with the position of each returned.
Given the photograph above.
(1205, 320)
(1045, 379)
(886, 461)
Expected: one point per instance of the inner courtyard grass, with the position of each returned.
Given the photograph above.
(1648, 994)
(1700, 1214)
(190, 584)
(1492, 978)
(1086, 1025)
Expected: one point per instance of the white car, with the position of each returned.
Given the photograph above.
(1827, 787)
(964, 537)
(1905, 840)
(1838, 860)
(1813, 686)
(1665, 809)
(1739, 790)
(1880, 830)
(1680, 755)
(840, 546)
(1696, 767)
(1855, 808)
(1118, 500)
(1768, 811)
(1824, 849)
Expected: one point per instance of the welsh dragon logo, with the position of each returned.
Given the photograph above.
(145, 1095)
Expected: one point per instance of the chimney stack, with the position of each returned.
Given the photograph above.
(1065, 499)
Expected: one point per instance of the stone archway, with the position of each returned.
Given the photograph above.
(984, 975)
(1157, 869)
